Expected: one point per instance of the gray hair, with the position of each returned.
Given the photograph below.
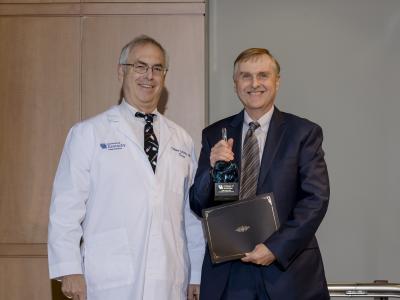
(140, 41)
(252, 53)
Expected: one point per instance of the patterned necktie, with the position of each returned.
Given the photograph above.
(250, 163)
(150, 139)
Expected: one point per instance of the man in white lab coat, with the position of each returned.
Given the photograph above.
(120, 226)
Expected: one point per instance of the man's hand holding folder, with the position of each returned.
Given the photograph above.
(237, 230)
(261, 255)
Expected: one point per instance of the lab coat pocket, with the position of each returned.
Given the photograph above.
(179, 171)
(108, 260)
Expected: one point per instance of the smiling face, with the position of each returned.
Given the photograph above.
(256, 83)
(143, 90)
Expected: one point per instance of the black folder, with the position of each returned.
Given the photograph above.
(236, 228)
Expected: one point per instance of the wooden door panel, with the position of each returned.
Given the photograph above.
(25, 278)
(40, 100)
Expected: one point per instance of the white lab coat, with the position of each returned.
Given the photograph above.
(135, 226)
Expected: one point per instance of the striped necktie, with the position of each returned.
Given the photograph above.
(150, 139)
(250, 163)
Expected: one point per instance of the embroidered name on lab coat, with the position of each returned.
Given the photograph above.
(112, 146)
(180, 152)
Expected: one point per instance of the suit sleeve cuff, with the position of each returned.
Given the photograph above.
(280, 259)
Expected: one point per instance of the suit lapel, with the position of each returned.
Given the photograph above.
(274, 137)
(235, 132)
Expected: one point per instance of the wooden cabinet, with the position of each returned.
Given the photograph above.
(58, 65)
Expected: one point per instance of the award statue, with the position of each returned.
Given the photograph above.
(225, 175)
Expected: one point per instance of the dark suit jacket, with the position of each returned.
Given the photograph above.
(294, 169)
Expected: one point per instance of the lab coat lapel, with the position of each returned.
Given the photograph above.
(117, 119)
(166, 133)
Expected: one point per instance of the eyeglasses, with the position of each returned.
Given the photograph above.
(141, 68)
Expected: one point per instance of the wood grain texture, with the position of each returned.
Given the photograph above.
(84, 9)
(40, 87)
(37, 1)
(157, 2)
(142, 8)
(23, 250)
(58, 64)
(78, 1)
(40, 9)
(25, 278)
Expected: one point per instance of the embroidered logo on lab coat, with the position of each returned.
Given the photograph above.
(180, 152)
(112, 146)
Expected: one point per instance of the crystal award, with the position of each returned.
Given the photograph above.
(226, 177)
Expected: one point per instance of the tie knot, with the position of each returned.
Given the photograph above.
(147, 117)
(253, 126)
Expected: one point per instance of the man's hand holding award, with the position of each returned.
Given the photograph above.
(235, 229)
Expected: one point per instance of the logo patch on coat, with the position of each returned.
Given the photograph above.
(112, 146)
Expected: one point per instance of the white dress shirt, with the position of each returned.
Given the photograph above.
(137, 124)
(261, 132)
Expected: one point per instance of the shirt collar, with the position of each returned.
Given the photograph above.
(133, 110)
(263, 121)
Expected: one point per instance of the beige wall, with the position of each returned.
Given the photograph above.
(58, 66)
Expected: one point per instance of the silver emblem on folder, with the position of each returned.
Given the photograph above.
(242, 228)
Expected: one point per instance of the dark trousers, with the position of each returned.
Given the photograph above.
(245, 283)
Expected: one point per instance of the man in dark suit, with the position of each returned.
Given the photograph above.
(290, 163)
